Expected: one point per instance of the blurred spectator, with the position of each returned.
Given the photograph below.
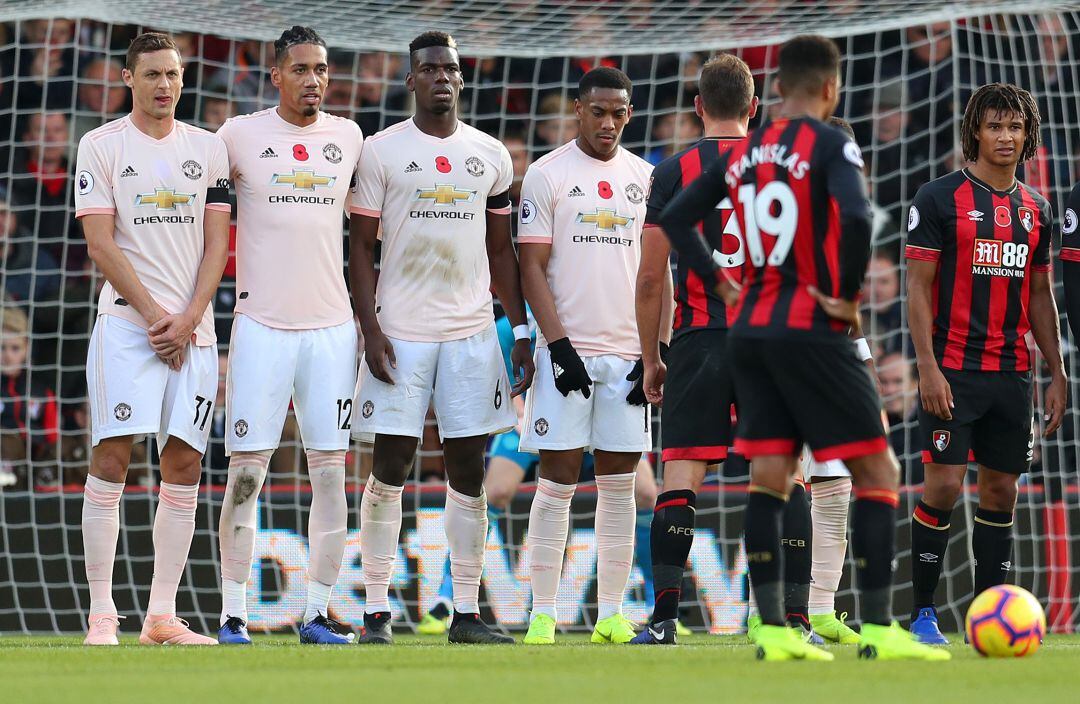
(197, 77)
(214, 112)
(102, 95)
(672, 132)
(45, 65)
(899, 157)
(29, 421)
(249, 76)
(75, 445)
(30, 272)
(900, 399)
(518, 145)
(340, 95)
(215, 461)
(40, 183)
(928, 71)
(883, 300)
(556, 123)
(381, 101)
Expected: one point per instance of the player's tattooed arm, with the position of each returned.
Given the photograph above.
(506, 280)
(378, 351)
(1046, 329)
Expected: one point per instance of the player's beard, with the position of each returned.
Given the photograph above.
(309, 110)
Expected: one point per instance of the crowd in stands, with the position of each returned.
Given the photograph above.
(61, 78)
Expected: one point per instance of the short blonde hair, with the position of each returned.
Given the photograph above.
(13, 320)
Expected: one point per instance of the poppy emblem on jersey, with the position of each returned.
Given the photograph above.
(332, 153)
(240, 428)
(164, 198)
(299, 152)
(1027, 218)
(86, 182)
(605, 219)
(446, 194)
(442, 165)
(367, 409)
(192, 169)
(475, 166)
(1002, 216)
(303, 180)
(912, 218)
(635, 194)
(541, 426)
(941, 439)
(122, 412)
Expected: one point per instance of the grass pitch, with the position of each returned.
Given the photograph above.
(37, 670)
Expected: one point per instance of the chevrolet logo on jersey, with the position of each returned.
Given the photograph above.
(605, 220)
(164, 198)
(304, 180)
(446, 194)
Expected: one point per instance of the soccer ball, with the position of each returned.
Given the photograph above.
(1005, 621)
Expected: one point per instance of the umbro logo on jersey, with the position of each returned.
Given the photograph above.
(413, 167)
(928, 557)
(268, 153)
(975, 215)
(129, 171)
(575, 192)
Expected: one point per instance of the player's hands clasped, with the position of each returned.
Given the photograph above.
(379, 354)
(1054, 401)
(521, 362)
(569, 370)
(169, 337)
(935, 392)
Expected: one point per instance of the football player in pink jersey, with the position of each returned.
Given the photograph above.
(582, 213)
(294, 338)
(152, 194)
(440, 191)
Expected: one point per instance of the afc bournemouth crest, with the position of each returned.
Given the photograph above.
(367, 409)
(474, 166)
(192, 169)
(1027, 218)
(122, 412)
(241, 428)
(541, 427)
(634, 193)
(941, 440)
(332, 153)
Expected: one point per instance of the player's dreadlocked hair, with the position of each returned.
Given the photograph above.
(1001, 98)
(432, 38)
(292, 37)
(605, 77)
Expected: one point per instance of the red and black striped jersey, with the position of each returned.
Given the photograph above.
(697, 306)
(986, 243)
(1070, 260)
(800, 202)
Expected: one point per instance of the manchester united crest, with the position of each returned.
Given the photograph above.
(332, 153)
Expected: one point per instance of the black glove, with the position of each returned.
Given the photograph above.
(569, 370)
(636, 397)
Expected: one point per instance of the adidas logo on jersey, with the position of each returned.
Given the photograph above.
(413, 167)
(129, 171)
(575, 192)
(268, 154)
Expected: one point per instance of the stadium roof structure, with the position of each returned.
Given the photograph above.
(530, 27)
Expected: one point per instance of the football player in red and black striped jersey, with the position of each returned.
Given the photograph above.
(693, 378)
(978, 273)
(799, 197)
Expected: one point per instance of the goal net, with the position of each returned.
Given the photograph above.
(909, 67)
